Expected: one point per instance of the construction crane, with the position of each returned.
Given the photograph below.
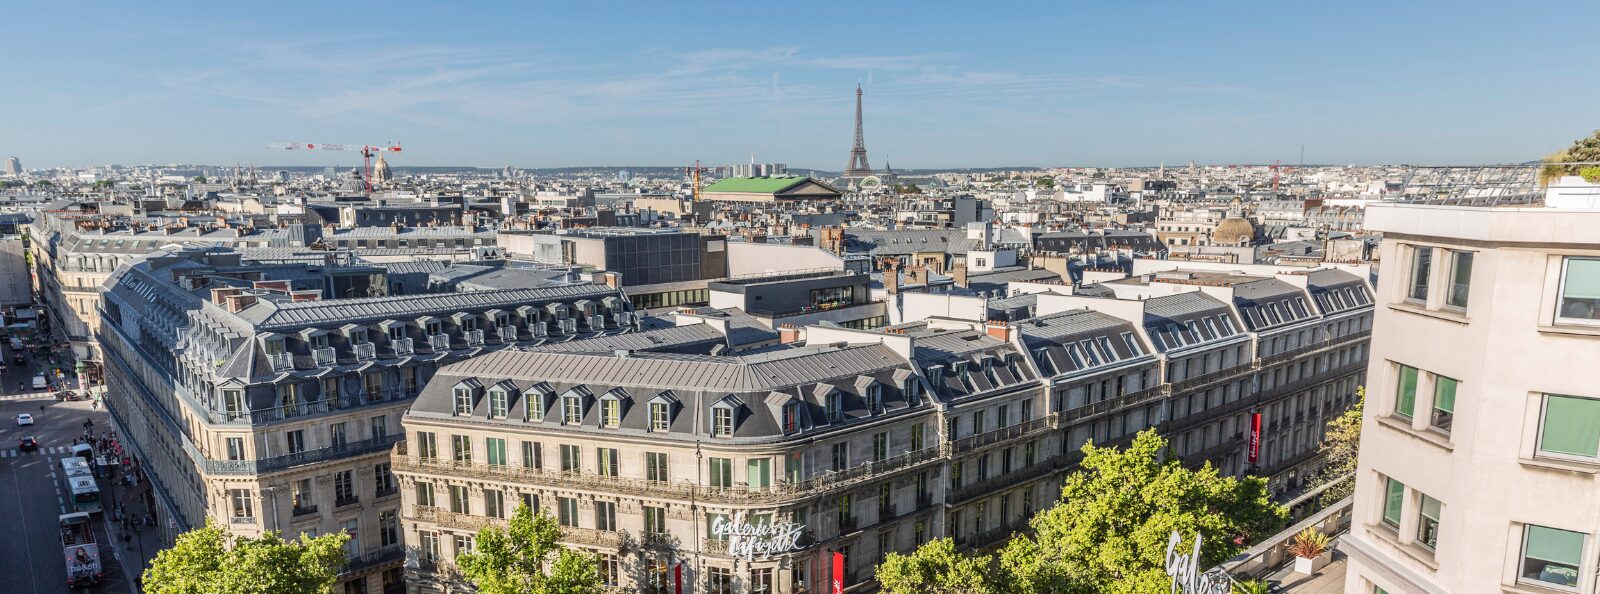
(694, 175)
(367, 153)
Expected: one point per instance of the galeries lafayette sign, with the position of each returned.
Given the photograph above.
(759, 541)
(1187, 578)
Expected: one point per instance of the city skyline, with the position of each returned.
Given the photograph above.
(496, 85)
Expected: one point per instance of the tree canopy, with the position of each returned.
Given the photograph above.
(514, 559)
(1583, 150)
(1109, 533)
(1339, 449)
(210, 560)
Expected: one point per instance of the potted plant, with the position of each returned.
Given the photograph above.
(1311, 551)
(1252, 587)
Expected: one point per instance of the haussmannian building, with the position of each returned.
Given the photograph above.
(253, 398)
(744, 470)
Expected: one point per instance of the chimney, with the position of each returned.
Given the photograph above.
(238, 303)
(305, 296)
(277, 286)
(609, 279)
(960, 274)
(891, 275)
(788, 333)
(998, 330)
(220, 296)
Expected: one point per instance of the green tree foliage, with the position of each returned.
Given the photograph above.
(1339, 449)
(1045, 182)
(514, 559)
(1584, 150)
(210, 560)
(200, 179)
(1109, 533)
(936, 568)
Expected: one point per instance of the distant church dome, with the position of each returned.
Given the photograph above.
(1234, 230)
(380, 171)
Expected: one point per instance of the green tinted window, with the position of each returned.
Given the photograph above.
(1405, 400)
(1394, 498)
(1571, 426)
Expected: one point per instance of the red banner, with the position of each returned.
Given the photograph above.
(677, 578)
(1255, 437)
(838, 573)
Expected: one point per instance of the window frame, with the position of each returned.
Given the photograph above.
(1561, 290)
(1455, 289)
(1543, 422)
(1412, 276)
(1522, 560)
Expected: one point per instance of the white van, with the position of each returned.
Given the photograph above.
(39, 382)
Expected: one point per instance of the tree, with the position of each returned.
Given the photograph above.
(513, 559)
(936, 568)
(210, 560)
(1045, 182)
(200, 179)
(1339, 449)
(1110, 531)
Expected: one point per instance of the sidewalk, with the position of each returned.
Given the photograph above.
(136, 542)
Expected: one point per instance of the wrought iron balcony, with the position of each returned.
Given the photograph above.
(281, 361)
(1001, 435)
(390, 554)
(1095, 409)
(507, 334)
(365, 351)
(304, 510)
(402, 346)
(473, 337)
(439, 342)
(324, 357)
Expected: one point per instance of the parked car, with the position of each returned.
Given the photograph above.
(24, 420)
(39, 383)
(28, 443)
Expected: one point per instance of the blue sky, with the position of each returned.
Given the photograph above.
(664, 83)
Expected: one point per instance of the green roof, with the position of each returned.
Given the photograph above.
(756, 185)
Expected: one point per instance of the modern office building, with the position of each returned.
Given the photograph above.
(866, 441)
(251, 396)
(1478, 451)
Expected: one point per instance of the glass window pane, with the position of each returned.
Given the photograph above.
(1406, 399)
(1552, 556)
(1421, 268)
(1460, 279)
(1580, 289)
(1394, 497)
(1571, 426)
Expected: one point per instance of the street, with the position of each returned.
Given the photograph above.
(31, 556)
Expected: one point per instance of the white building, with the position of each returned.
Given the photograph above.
(1479, 449)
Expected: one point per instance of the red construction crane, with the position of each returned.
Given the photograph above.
(367, 153)
(694, 175)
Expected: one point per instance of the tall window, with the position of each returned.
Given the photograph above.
(1580, 291)
(344, 487)
(874, 397)
(532, 455)
(497, 450)
(533, 405)
(1405, 399)
(243, 503)
(1394, 497)
(605, 516)
(880, 446)
(655, 467)
(382, 479)
(1428, 524)
(916, 437)
(1421, 270)
(569, 459)
(425, 494)
(1551, 556)
(337, 436)
(841, 456)
(426, 445)
(655, 520)
(463, 401)
(1571, 426)
(759, 473)
(494, 503)
(572, 410)
(295, 441)
(1444, 402)
(720, 580)
(388, 529)
(235, 448)
(659, 419)
(791, 417)
(567, 511)
(606, 461)
(459, 503)
(721, 470)
(610, 413)
(606, 564)
(1460, 279)
(461, 448)
(721, 421)
(429, 543)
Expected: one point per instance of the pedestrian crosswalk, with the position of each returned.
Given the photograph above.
(14, 452)
(39, 396)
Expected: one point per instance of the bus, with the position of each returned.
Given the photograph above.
(83, 494)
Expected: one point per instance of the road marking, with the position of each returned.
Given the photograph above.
(23, 524)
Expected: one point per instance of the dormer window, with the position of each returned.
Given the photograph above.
(435, 327)
(791, 417)
(912, 389)
(319, 341)
(397, 333)
(835, 406)
(497, 403)
(610, 411)
(1131, 343)
(1106, 349)
(469, 323)
(533, 402)
(874, 397)
(463, 399)
(721, 422)
(660, 419)
(274, 346)
(358, 336)
(571, 410)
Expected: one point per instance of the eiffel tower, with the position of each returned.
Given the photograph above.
(858, 166)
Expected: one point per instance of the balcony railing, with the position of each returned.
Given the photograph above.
(324, 357)
(304, 510)
(402, 346)
(507, 333)
(439, 342)
(1095, 409)
(684, 490)
(473, 337)
(365, 351)
(247, 467)
(1002, 435)
(281, 361)
(390, 554)
(1270, 554)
